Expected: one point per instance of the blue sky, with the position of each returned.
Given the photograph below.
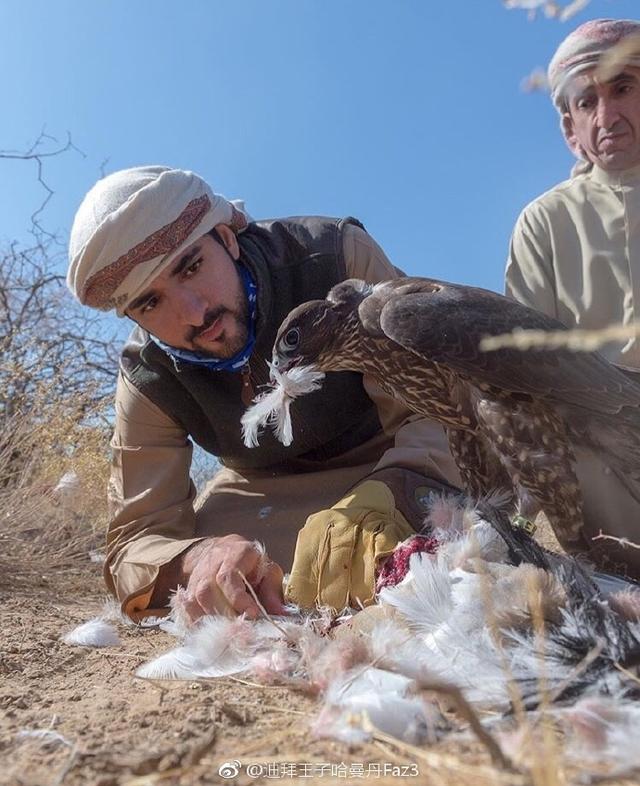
(404, 113)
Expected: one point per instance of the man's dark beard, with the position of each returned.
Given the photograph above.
(240, 315)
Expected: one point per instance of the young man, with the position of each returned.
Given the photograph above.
(208, 290)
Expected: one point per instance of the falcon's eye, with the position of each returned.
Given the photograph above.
(291, 339)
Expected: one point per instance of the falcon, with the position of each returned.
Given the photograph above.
(512, 418)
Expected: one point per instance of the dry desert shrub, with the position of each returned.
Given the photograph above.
(57, 370)
(53, 475)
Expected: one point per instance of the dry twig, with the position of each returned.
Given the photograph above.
(575, 340)
(633, 677)
(466, 711)
(264, 612)
(624, 542)
(614, 59)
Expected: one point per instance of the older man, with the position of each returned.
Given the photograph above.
(208, 290)
(575, 251)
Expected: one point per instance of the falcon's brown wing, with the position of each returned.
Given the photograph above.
(445, 322)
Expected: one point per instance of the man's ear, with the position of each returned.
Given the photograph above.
(228, 237)
(568, 131)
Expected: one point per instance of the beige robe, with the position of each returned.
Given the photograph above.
(155, 515)
(575, 255)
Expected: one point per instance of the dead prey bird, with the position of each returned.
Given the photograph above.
(512, 418)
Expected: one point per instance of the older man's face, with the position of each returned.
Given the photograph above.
(197, 303)
(603, 121)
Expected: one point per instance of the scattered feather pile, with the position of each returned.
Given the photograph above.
(273, 407)
(214, 647)
(476, 611)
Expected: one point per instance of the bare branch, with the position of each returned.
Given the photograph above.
(38, 154)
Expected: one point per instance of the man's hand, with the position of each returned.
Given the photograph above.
(214, 585)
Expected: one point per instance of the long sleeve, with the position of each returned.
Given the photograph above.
(419, 444)
(529, 276)
(150, 497)
(151, 494)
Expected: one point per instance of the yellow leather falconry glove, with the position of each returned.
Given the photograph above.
(337, 549)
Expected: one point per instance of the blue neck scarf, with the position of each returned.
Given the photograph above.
(241, 358)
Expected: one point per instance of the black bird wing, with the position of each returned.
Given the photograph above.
(444, 323)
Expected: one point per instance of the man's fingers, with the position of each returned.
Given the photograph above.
(192, 608)
(235, 591)
(271, 598)
(207, 598)
(269, 590)
(217, 584)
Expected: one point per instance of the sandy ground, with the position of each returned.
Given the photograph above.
(119, 730)
(122, 730)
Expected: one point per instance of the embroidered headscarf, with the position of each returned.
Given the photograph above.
(133, 224)
(582, 50)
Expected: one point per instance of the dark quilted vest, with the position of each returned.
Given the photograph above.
(292, 260)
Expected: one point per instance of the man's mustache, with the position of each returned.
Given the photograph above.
(209, 318)
(615, 130)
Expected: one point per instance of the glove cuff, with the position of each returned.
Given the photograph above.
(413, 493)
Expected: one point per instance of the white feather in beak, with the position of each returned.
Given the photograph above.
(272, 408)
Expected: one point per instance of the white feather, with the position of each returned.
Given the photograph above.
(424, 599)
(381, 697)
(446, 609)
(605, 731)
(94, 633)
(395, 647)
(45, 736)
(214, 647)
(68, 484)
(273, 408)
(112, 612)
(182, 664)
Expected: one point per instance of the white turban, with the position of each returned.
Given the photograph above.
(134, 223)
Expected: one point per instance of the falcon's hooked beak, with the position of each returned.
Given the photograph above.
(280, 365)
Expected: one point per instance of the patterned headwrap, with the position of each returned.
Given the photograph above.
(133, 224)
(582, 50)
